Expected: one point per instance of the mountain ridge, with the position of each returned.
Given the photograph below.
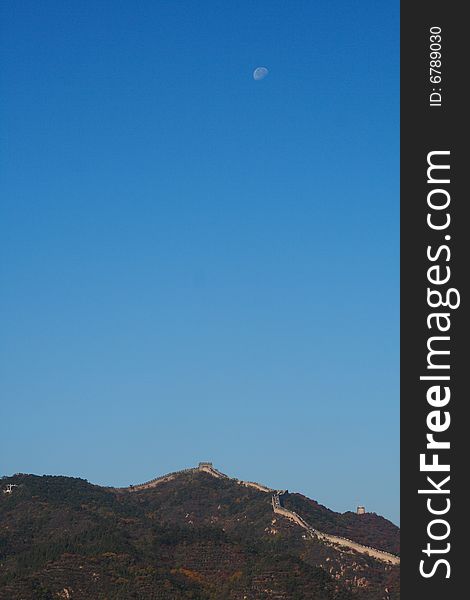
(278, 508)
(189, 535)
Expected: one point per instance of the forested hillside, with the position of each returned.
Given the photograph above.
(194, 537)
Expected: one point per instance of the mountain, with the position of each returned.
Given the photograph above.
(195, 534)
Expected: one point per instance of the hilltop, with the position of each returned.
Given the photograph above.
(196, 534)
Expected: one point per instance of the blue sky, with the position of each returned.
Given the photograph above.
(196, 265)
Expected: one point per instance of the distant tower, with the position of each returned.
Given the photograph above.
(361, 510)
(205, 465)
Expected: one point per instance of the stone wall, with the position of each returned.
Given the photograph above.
(336, 540)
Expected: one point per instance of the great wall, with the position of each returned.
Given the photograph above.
(204, 467)
(337, 542)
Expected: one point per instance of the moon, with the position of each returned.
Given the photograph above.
(260, 73)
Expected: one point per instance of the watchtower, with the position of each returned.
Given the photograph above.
(361, 510)
(205, 465)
